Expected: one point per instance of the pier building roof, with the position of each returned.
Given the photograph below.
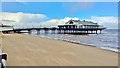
(78, 22)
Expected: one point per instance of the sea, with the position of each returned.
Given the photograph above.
(107, 40)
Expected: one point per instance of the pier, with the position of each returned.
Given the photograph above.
(70, 27)
(56, 30)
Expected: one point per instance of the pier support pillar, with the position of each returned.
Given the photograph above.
(58, 31)
(38, 32)
(96, 31)
(87, 31)
(53, 31)
(46, 31)
(100, 31)
(29, 32)
(91, 31)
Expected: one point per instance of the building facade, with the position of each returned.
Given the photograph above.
(80, 24)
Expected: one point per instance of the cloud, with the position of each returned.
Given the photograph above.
(55, 22)
(110, 22)
(27, 19)
(21, 18)
(107, 21)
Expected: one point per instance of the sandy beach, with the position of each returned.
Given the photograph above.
(26, 50)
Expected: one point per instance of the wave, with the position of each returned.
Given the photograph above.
(107, 41)
(110, 49)
(78, 42)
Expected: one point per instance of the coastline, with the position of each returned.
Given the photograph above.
(27, 50)
(79, 43)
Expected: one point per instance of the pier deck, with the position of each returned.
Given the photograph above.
(57, 30)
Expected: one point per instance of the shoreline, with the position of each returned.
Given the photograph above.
(75, 42)
(60, 52)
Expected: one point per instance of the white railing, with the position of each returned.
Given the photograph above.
(3, 63)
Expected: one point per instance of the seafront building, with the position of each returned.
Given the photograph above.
(5, 27)
(80, 24)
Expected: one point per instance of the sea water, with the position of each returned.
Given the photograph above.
(107, 40)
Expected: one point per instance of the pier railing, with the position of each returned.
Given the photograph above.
(3, 58)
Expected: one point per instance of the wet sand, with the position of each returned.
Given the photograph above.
(26, 50)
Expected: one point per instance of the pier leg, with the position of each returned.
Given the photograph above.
(96, 31)
(91, 32)
(63, 31)
(53, 31)
(87, 31)
(59, 31)
(46, 32)
(100, 31)
(73, 32)
(29, 31)
(38, 32)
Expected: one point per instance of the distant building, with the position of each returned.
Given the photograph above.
(5, 27)
(80, 24)
(1, 25)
